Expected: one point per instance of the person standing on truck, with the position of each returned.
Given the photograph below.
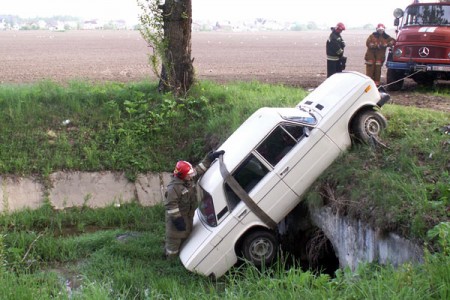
(377, 43)
(335, 50)
(180, 201)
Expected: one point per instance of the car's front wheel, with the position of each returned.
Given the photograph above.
(368, 124)
(260, 248)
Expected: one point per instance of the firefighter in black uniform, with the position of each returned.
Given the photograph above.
(335, 51)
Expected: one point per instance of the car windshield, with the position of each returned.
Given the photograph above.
(432, 15)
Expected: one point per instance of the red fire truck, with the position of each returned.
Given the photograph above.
(422, 51)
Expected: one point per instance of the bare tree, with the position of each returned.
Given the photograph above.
(167, 28)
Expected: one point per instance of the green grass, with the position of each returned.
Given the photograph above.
(41, 252)
(404, 187)
(121, 127)
(115, 252)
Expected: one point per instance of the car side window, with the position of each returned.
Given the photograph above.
(280, 142)
(248, 174)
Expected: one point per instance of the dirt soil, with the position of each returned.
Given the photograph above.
(290, 58)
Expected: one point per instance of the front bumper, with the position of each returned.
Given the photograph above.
(413, 67)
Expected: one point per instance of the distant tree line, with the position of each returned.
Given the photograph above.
(36, 23)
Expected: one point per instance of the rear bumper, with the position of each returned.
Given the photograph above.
(385, 97)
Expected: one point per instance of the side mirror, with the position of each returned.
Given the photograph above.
(307, 131)
(396, 22)
(398, 13)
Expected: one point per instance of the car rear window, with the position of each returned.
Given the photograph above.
(307, 118)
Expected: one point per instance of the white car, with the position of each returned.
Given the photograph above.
(269, 163)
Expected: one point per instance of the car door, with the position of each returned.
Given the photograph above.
(260, 183)
(314, 152)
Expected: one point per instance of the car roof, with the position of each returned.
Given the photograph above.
(256, 128)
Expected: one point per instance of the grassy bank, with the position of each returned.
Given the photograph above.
(122, 127)
(116, 252)
(403, 186)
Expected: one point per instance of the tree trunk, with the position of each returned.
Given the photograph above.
(177, 74)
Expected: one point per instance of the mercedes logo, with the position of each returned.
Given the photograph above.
(424, 51)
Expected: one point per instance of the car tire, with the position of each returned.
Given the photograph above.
(260, 248)
(368, 124)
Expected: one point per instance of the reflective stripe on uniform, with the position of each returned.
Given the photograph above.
(202, 167)
(170, 252)
(173, 211)
(334, 58)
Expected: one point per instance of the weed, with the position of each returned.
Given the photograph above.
(132, 128)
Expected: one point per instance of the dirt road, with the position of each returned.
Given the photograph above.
(291, 58)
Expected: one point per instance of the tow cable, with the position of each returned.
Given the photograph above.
(393, 82)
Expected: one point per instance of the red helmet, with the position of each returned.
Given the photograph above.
(381, 26)
(339, 27)
(182, 169)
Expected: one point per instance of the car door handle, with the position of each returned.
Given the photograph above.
(242, 214)
(284, 171)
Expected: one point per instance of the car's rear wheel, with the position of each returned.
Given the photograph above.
(368, 124)
(260, 248)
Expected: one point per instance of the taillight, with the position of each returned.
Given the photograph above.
(207, 211)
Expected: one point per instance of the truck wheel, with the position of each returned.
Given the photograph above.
(424, 79)
(394, 80)
(260, 248)
(367, 124)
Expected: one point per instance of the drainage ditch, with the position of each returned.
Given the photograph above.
(306, 245)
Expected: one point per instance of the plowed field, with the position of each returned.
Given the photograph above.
(291, 58)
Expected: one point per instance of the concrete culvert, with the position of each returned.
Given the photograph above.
(306, 245)
(323, 241)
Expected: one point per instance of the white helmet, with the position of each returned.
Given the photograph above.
(380, 28)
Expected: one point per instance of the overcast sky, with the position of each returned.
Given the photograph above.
(350, 12)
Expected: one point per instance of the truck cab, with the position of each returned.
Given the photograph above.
(422, 50)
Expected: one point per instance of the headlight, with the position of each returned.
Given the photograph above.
(398, 52)
(398, 13)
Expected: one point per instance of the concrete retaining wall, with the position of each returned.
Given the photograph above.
(75, 189)
(354, 242)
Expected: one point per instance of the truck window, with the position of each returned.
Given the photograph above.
(280, 142)
(248, 174)
(427, 15)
